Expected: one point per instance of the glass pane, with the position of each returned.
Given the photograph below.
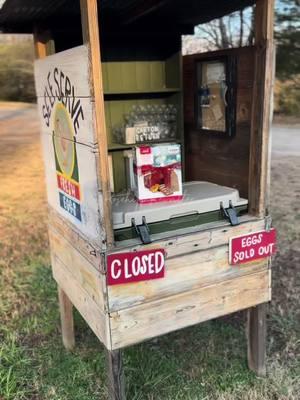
(211, 95)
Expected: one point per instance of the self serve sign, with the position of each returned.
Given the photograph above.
(243, 249)
(135, 266)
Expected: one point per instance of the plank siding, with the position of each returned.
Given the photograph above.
(80, 242)
(183, 274)
(84, 272)
(192, 261)
(142, 322)
(80, 298)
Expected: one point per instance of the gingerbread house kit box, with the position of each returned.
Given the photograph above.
(158, 174)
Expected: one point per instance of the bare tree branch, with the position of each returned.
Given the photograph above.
(234, 30)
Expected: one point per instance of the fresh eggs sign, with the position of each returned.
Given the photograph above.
(243, 249)
(135, 266)
(63, 112)
(66, 162)
(68, 137)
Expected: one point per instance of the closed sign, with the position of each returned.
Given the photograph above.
(135, 266)
(243, 249)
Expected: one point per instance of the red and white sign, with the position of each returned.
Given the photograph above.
(68, 186)
(246, 248)
(135, 266)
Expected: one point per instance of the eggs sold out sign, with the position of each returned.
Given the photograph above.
(243, 249)
(135, 266)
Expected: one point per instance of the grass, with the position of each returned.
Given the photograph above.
(203, 362)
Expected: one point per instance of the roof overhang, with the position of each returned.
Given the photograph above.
(20, 16)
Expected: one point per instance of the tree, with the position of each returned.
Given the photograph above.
(287, 34)
(16, 71)
(234, 30)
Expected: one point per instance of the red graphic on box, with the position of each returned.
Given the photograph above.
(135, 266)
(243, 249)
(157, 171)
(145, 149)
(68, 186)
(160, 200)
(160, 179)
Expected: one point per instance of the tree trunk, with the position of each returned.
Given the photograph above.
(241, 28)
(224, 36)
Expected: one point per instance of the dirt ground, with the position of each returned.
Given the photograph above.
(23, 231)
(22, 189)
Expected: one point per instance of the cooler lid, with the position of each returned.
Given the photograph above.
(198, 198)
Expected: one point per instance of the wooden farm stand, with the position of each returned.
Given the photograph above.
(141, 63)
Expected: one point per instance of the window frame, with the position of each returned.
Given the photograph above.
(231, 82)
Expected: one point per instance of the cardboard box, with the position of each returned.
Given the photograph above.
(158, 175)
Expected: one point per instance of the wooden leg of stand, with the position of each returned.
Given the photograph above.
(256, 335)
(115, 375)
(67, 322)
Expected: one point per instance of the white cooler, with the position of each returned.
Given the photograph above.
(198, 198)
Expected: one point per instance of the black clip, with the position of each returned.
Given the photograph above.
(142, 231)
(230, 213)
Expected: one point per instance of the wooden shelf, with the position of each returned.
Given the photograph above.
(120, 147)
(132, 82)
(142, 91)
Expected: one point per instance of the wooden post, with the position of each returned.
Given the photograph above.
(259, 165)
(43, 43)
(115, 375)
(256, 335)
(67, 320)
(90, 34)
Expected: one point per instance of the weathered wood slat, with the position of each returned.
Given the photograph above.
(183, 274)
(83, 271)
(90, 34)
(260, 150)
(259, 163)
(130, 76)
(83, 245)
(138, 323)
(209, 239)
(74, 62)
(88, 308)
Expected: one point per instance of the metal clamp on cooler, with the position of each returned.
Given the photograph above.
(230, 213)
(142, 230)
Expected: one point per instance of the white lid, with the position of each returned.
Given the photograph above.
(198, 198)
